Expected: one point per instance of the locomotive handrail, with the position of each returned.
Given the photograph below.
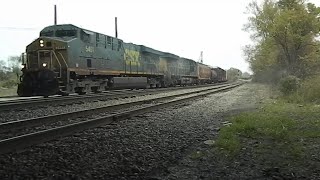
(58, 63)
(65, 62)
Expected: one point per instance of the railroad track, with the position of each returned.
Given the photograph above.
(33, 102)
(28, 132)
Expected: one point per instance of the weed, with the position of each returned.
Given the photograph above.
(279, 125)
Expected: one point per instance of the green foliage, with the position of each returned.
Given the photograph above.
(3, 75)
(9, 83)
(277, 125)
(245, 75)
(255, 125)
(289, 84)
(8, 86)
(9, 73)
(309, 91)
(13, 68)
(284, 33)
(228, 141)
(233, 74)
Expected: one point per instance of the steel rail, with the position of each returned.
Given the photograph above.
(25, 103)
(40, 98)
(26, 123)
(21, 142)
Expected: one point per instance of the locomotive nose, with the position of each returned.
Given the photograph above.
(42, 82)
(45, 43)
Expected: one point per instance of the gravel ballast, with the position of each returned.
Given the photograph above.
(43, 110)
(148, 146)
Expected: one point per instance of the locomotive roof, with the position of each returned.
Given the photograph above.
(60, 26)
(142, 47)
(73, 27)
(69, 27)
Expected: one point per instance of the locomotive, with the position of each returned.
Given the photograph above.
(68, 59)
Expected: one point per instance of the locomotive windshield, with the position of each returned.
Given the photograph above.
(47, 33)
(66, 33)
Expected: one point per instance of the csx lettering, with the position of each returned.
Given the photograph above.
(132, 57)
(133, 63)
(89, 49)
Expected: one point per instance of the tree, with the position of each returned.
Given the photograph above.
(2, 65)
(3, 71)
(233, 74)
(284, 34)
(245, 75)
(13, 68)
(14, 64)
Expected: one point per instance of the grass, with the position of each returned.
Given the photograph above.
(8, 87)
(280, 125)
(8, 91)
(308, 92)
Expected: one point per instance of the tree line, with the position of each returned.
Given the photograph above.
(10, 71)
(285, 36)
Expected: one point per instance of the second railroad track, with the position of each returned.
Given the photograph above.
(34, 102)
(17, 135)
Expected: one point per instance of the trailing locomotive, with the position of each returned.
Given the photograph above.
(68, 59)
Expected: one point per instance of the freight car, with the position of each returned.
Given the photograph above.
(207, 74)
(68, 59)
(221, 75)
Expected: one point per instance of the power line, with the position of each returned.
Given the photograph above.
(18, 28)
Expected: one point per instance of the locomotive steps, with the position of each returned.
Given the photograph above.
(32, 137)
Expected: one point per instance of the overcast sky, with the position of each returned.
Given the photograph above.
(183, 27)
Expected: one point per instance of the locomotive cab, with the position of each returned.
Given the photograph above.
(45, 63)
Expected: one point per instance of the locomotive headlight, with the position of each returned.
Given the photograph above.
(44, 64)
(41, 43)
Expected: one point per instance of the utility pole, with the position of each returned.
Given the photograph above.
(201, 57)
(55, 14)
(116, 26)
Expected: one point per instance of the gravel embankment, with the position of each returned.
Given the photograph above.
(67, 121)
(149, 146)
(63, 122)
(81, 105)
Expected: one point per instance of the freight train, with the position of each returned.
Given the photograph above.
(68, 59)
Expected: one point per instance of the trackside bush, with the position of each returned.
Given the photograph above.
(289, 84)
(310, 89)
(9, 83)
